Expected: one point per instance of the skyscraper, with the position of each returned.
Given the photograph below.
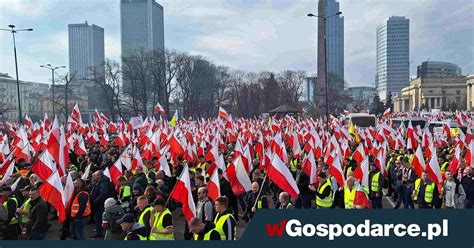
(142, 25)
(334, 54)
(86, 50)
(393, 56)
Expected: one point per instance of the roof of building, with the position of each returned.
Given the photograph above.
(284, 109)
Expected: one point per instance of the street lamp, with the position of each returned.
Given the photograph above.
(49, 66)
(324, 18)
(13, 31)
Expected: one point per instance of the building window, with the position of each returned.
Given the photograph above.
(458, 92)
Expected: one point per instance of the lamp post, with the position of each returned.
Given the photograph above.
(324, 19)
(49, 66)
(13, 31)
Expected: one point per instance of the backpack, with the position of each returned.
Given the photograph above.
(114, 226)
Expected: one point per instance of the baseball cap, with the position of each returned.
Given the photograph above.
(128, 218)
(159, 201)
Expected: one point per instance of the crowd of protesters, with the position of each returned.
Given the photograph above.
(140, 207)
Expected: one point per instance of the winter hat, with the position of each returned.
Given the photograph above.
(109, 202)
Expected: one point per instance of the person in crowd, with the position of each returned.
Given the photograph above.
(425, 193)
(376, 180)
(10, 204)
(453, 192)
(38, 225)
(203, 230)
(125, 193)
(254, 201)
(79, 209)
(100, 192)
(143, 212)
(204, 207)
(161, 221)
(224, 221)
(324, 191)
(112, 213)
(467, 182)
(284, 201)
(133, 230)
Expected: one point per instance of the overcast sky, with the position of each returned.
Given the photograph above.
(251, 35)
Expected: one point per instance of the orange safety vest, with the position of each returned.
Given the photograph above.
(75, 205)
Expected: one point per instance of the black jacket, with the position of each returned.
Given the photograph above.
(100, 193)
(468, 185)
(38, 216)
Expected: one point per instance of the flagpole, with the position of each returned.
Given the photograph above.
(260, 191)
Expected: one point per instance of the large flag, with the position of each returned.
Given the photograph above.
(279, 173)
(362, 172)
(238, 177)
(213, 187)
(182, 193)
(52, 191)
(44, 167)
(387, 113)
(419, 162)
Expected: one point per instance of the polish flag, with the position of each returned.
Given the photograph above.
(159, 109)
(335, 170)
(183, 194)
(434, 170)
(63, 153)
(387, 113)
(7, 170)
(115, 172)
(362, 172)
(52, 191)
(137, 160)
(176, 148)
(469, 156)
(223, 114)
(68, 190)
(238, 177)
(361, 199)
(80, 147)
(213, 187)
(359, 154)
(164, 166)
(279, 173)
(453, 166)
(419, 162)
(44, 167)
(310, 168)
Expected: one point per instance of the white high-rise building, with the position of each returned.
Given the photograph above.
(141, 25)
(86, 50)
(393, 56)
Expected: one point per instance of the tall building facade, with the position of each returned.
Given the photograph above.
(86, 50)
(331, 60)
(393, 56)
(142, 25)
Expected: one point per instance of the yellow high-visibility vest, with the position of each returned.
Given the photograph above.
(219, 223)
(158, 224)
(326, 202)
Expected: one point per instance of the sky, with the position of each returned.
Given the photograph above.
(251, 35)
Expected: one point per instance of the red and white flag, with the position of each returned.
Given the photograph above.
(238, 177)
(279, 173)
(213, 187)
(419, 164)
(52, 191)
(223, 114)
(182, 193)
(44, 167)
(362, 172)
(387, 113)
(159, 109)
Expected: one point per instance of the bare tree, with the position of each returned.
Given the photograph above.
(109, 83)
